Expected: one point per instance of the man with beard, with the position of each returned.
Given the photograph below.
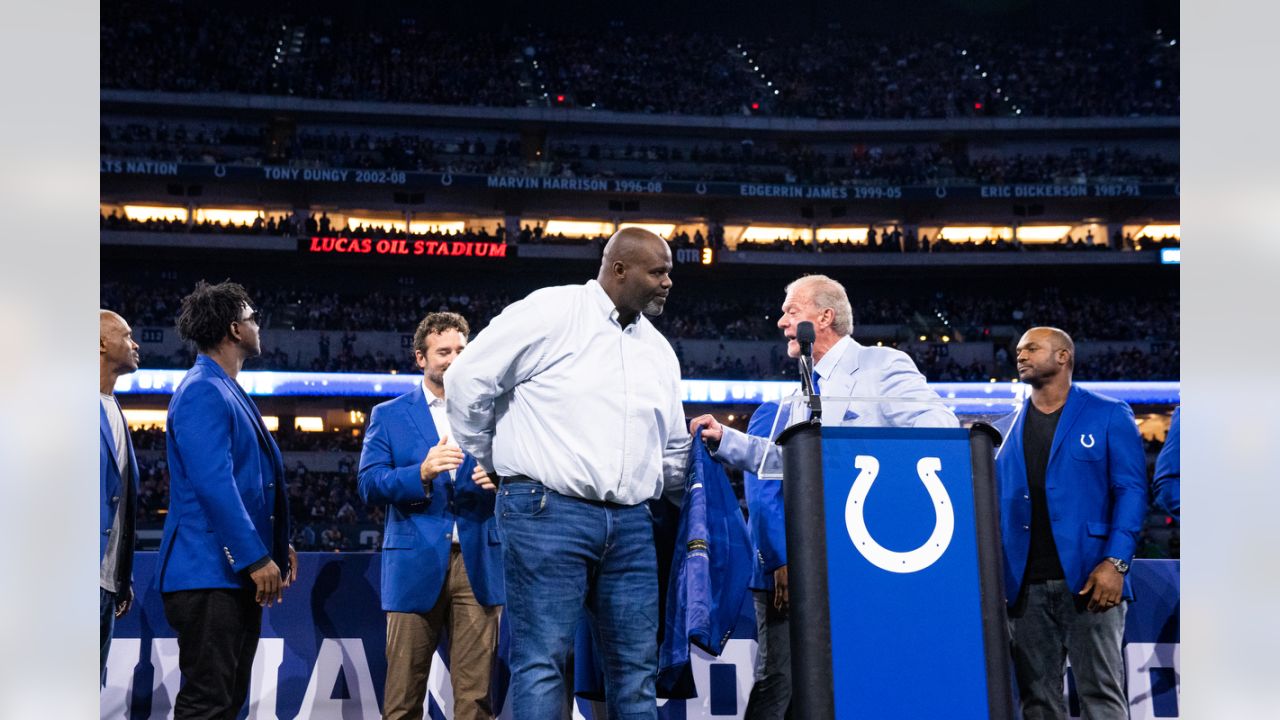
(225, 551)
(1073, 495)
(441, 562)
(572, 398)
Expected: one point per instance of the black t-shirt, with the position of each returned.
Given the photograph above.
(1037, 441)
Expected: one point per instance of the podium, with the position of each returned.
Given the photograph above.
(894, 552)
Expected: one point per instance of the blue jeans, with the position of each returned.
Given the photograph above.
(1048, 624)
(562, 554)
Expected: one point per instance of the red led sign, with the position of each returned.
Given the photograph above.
(399, 246)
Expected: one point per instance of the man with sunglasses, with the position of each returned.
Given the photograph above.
(225, 551)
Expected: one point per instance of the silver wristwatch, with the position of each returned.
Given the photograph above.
(1122, 567)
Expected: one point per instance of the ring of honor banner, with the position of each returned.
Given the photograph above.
(321, 655)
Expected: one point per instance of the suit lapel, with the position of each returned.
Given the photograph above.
(420, 414)
(1070, 411)
(1013, 440)
(254, 416)
(109, 441)
(104, 425)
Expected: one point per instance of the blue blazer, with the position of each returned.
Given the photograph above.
(710, 569)
(228, 507)
(418, 534)
(1168, 475)
(110, 490)
(1096, 484)
(766, 520)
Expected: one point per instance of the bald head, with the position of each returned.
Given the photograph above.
(629, 245)
(635, 271)
(117, 352)
(1045, 354)
(1058, 339)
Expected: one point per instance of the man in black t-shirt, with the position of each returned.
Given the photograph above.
(1073, 495)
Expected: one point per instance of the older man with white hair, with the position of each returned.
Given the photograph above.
(843, 368)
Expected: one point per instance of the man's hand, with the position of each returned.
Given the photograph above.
(123, 604)
(1106, 584)
(293, 567)
(712, 429)
(268, 582)
(781, 593)
(441, 458)
(483, 479)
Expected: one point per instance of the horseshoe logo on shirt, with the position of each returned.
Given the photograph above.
(1087, 444)
(899, 562)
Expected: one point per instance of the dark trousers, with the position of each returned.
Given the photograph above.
(106, 626)
(218, 633)
(771, 694)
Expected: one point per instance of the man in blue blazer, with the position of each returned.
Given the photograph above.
(771, 692)
(117, 479)
(1167, 482)
(1073, 496)
(441, 557)
(843, 368)
(225, 551)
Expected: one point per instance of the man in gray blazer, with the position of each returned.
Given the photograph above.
(842, 369)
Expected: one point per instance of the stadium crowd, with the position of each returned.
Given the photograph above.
(153, 45)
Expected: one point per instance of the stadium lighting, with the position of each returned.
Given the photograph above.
(369, 223)
(769, 233)
(578, 228)
(974, 233)
(662, 230)
(1160, 231)
(138, 419)
(1042, 233)
(444, 226)
(229, 216)
(979, 395)
(309, 424)
(836, 234)
(143, 213)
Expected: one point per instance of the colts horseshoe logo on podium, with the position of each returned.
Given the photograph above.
(899, 562)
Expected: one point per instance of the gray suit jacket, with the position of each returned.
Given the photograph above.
(862, 373)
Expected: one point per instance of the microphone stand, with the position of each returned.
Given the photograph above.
(805, 336)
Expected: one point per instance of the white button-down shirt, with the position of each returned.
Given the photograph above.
(557, 390)
(441, 420)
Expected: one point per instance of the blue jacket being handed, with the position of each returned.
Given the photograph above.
(710, 568)
(227, 503)
(1095, 485)
(419, 530)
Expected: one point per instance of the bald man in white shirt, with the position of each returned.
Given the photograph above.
(572, 399)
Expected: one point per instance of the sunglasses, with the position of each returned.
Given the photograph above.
(254, 316)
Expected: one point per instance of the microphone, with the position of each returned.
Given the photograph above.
(805, 336)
